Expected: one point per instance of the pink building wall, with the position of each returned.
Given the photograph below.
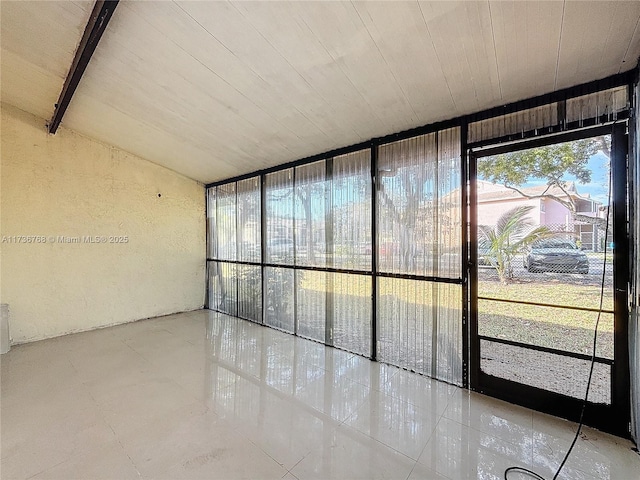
(555, 213)
(489, 212)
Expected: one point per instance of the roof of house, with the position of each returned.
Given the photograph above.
(499, 192)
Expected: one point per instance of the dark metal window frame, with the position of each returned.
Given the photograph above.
(470, 340)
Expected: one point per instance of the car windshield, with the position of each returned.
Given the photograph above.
(560, 244)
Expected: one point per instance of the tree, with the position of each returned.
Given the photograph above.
(511, 234)
(306, 194)
(403, 205)
(551, 163)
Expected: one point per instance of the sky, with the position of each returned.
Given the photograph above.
(597, 188)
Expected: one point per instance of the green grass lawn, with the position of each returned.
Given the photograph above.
(554, 293)
(560, 328)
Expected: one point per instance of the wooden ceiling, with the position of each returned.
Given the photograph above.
(217, 89)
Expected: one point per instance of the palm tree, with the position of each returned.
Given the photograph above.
(510, 235)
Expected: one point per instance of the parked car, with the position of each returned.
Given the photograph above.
(556, 255)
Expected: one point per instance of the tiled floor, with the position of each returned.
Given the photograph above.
(203, 395)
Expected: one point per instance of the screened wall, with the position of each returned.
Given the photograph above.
(360, 251)
(367, 248)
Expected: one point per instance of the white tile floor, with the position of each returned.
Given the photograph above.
(203, 395)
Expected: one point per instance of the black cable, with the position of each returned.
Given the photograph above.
(523, 470)
(593, 358)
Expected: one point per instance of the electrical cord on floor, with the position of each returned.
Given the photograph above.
(593, 361)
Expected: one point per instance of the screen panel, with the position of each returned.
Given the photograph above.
(419, 206)
(420, 327)
(311, 211)
(223, 288)
(278, 288)
(311, 307)
(250, 292)
(351, 211)
(249, 223)
(212, 231)
(226, 221)
(351, 312)
(280, 217)
(547, 371)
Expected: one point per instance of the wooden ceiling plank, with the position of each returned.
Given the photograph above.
(339, 28)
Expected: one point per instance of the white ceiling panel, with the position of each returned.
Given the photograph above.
(38, 41)
(526, 64)
(612, 23)
(218, 89)
(462, 35)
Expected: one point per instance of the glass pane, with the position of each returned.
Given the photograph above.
(548, 371)
(212, 231)
(250, 292)
(311, 211)
(278, 298)
(311, 308)
(420, 327)
(223, 287)
(226, 221)
(249, 220)
(279, 221)
(419, 213)
(351, 211)
(351, 312)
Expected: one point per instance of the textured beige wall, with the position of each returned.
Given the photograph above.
(69, 185)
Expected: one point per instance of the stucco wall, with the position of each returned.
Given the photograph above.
(555, 213)
(68, 185)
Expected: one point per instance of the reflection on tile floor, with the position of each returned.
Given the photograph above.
(204, 395)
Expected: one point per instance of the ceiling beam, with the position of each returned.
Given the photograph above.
(100, 16)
